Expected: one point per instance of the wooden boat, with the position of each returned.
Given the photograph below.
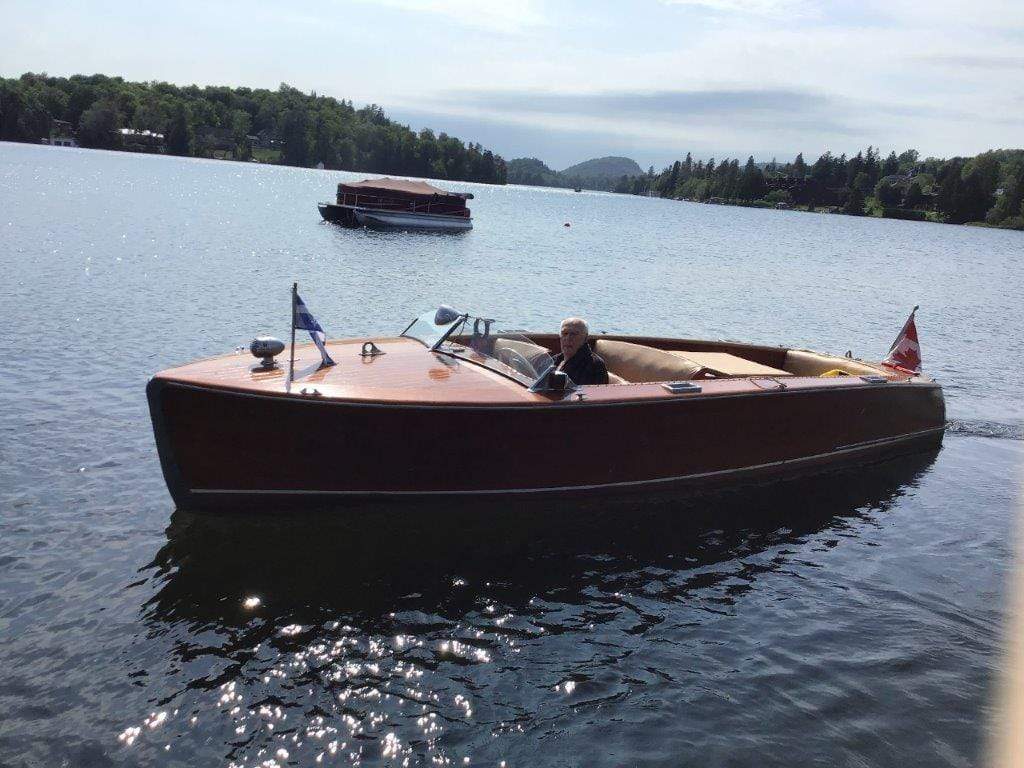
(398, 203)
(455, 407)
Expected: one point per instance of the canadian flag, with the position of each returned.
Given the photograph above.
(905, 352)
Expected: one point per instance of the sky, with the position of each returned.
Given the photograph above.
(567, 81)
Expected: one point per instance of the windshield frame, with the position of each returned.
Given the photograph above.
(444, 329)
(466, 324)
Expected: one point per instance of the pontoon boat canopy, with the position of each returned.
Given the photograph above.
(401, 186)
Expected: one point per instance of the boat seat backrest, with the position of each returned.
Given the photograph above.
(524, 348)
(639, 363)
(800, 362)
(534, 351)
(506, 350)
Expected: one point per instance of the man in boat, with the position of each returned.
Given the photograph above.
(577, 359)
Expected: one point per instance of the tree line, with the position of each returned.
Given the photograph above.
(285, 126)
(987, 188)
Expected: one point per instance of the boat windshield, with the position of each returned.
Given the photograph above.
(430, 327)
(482, 341)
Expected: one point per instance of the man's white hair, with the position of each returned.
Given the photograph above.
(579, 322)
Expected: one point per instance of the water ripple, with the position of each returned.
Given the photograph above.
(986, 429)
(850, 619)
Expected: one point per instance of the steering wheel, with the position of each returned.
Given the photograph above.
(513, 359)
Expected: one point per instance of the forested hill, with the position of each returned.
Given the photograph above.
(985, 189)
(283, 126)
(604, 168)
(599, 173)
(533, 172)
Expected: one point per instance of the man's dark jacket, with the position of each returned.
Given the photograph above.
(584, 367)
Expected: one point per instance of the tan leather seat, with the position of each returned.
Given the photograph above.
(801, 362)
(507, 350)
(723, 364)
(524, 348)
(639, 363)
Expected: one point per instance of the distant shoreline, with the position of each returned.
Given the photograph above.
(283, 126)
(986, 190)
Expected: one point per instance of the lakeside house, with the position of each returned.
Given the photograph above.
(134, 140)
(899, 180)
(61, 134)
(265, 139)
(216, 142)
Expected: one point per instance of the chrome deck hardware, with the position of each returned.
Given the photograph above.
(681, 387)
(265, 347)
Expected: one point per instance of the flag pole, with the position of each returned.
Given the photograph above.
(291, 364)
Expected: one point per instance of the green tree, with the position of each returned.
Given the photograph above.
(872, 167)
(1010, 203)
(854, 205)
(751, 184)
(887, 194)
(149, 115)
(23, 115)
(295, 136)
(799, 167)
(862, 183)
(241, 125)
(907, 160)
(179, 133)
(891, 165)
(949, 200)
(821, 171)
(99, 126)
(915, 195)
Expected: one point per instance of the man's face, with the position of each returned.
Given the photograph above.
(572, 338)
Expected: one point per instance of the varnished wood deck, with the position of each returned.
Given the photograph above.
(408, 373)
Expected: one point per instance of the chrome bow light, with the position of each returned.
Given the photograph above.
(265, 347)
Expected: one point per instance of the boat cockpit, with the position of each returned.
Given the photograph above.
(482, 341)
(528, 359)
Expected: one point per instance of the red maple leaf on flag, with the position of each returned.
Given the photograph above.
(905, 352)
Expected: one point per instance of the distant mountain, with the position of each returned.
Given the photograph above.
(599, 173)
(603, 168)
(532, 172)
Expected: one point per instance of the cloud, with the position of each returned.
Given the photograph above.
(746, 107)
(508, 16)
(975, 61)
(655, 124)
(667, 123)
(769, 8)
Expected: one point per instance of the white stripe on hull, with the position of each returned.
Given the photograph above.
(411, 220)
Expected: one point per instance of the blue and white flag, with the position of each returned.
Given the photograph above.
(304, 321)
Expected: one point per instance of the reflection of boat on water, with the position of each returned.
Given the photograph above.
(309, 565)
(457, 407)
(398, 203)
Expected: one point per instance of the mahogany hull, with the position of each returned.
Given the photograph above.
(222, 448)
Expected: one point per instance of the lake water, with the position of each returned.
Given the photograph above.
(851, 619)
